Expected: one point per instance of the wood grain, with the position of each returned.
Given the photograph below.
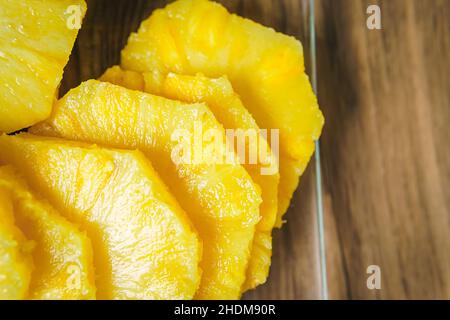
(385, 95)
(386, 160)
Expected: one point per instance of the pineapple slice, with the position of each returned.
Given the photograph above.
(265, 68)
(16, 263)
(144, 245)
(35, 43)
(228, 109)
(220, 198)
(62, 256)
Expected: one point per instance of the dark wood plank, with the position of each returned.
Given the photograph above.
(386, 99)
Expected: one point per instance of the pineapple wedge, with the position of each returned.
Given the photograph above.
(144, 245)
(35, 43)
(220, 198)
(16, 263)
(228, 109)
(265, 68)
(63, 266)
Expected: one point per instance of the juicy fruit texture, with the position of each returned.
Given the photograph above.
(63, 266)
(16, 263)
(35, 44)
(220, 198)
(228, 109)
(144, 245)
(265, 68)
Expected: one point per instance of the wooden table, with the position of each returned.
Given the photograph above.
(385, 147)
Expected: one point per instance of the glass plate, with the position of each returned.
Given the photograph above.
(299, 262)
(296, 271)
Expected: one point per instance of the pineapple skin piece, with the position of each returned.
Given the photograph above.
(16, 263)
(144, 245)
(62, 255)
(266, 69)
(35, 44)
(218, 94)
(220, 199)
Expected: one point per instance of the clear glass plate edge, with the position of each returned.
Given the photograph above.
(318, 170)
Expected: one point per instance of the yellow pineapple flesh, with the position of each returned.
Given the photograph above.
(16, 263)
(63, 266)
(220, 198)
(35, 43)
(228, 109)
(143, 243)
(266, 69)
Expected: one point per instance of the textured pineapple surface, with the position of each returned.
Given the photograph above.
(218, 94)
(62, 255)
(177, 212)
(16, 262)
(35, 44)
(265, 68)
(220, 198)
(143, 243)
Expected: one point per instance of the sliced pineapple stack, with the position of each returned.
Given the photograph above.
(62, 255)
(35, 44)
(265, 68)
(218, 94)
(144, 245)
(183, 219)
(220, 198)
